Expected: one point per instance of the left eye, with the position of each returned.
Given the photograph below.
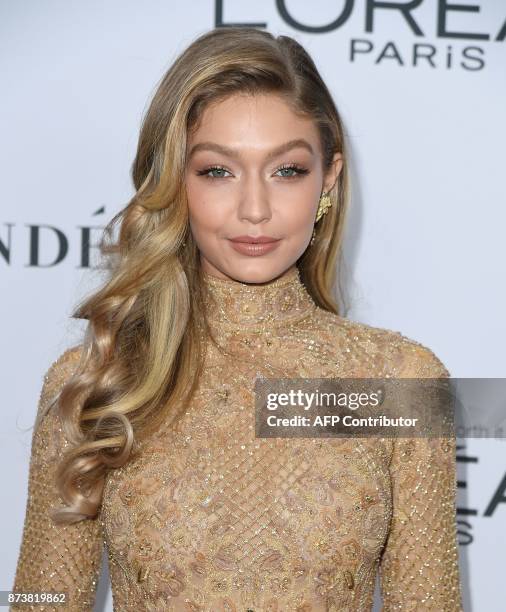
(293, 169)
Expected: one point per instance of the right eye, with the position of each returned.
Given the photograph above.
(218, 169)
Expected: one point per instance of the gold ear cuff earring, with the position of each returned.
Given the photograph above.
(324, 204)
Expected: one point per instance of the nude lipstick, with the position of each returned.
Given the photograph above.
(254, 245)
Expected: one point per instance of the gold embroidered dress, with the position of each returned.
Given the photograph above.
(210, 518)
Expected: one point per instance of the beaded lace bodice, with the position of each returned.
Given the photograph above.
(210, 518)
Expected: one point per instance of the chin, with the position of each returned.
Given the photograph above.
(257, 272)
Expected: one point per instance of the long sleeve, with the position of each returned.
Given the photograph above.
(55, 558)
(419, 568)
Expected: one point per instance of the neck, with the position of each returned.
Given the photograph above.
(234, 304)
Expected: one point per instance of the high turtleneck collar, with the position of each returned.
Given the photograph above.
(233, 304)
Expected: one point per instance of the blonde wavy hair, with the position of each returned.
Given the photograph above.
(144, 344)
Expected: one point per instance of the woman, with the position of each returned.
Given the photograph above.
(151, 448)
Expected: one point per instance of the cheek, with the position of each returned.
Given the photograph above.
(297, 213)
(207, 211)
(205, 220)
(211, 209)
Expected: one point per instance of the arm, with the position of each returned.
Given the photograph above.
(419, 567)
(55, 558)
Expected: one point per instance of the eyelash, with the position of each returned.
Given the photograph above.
(300, 171)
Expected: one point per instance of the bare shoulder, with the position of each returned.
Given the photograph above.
(395, 353)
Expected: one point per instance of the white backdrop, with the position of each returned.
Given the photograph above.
(425, 252)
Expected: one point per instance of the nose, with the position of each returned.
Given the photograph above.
(254, 204)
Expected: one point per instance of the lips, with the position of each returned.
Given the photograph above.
(254, 239)
(254, 246)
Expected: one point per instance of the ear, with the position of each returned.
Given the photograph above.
(333, 172)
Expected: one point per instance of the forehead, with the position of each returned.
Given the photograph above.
(261, 119)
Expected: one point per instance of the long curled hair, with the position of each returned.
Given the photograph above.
(144, 344)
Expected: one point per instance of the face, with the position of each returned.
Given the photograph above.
(254, 170)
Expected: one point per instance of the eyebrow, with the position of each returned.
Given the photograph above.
(287, 146)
